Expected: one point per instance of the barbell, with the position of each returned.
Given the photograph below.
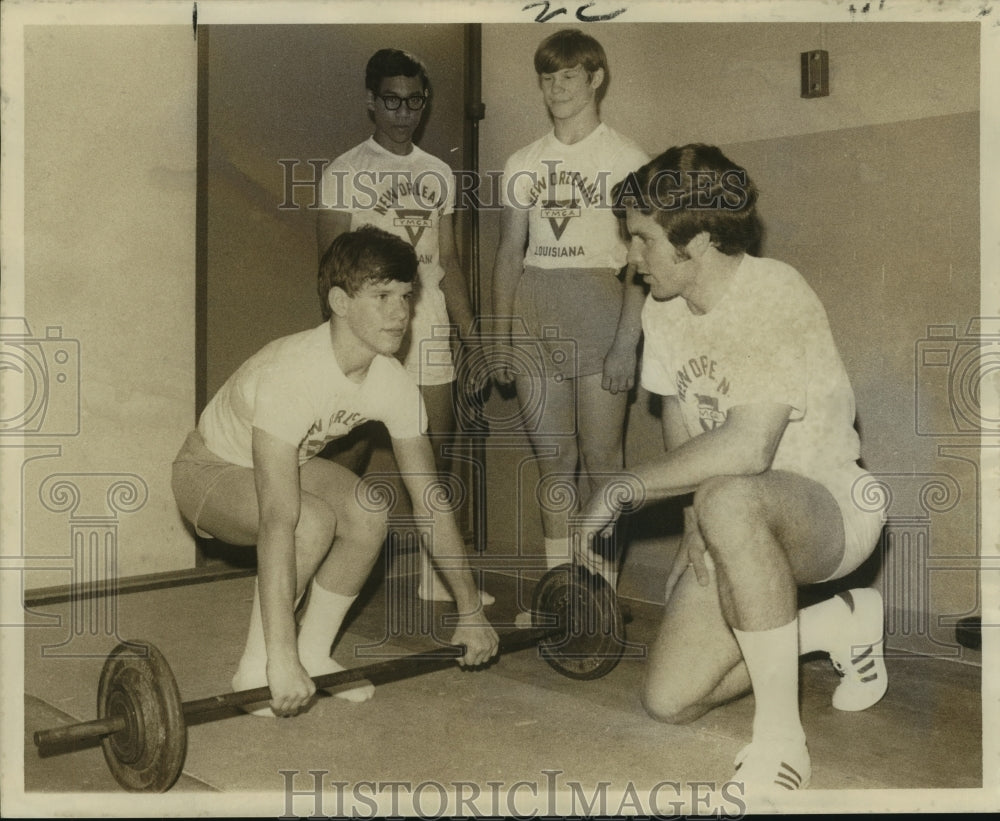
(576, 623)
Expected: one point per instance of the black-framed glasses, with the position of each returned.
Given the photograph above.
(392, 102)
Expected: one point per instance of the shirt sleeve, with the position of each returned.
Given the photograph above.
(448, 189)
(335, 183)
(515, 184)
(630, 157)
(773, 366)
(655, 377)
(656, 373)
(348, 188)
(280, 406)
(402, 407)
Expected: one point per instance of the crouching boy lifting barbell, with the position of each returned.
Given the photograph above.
(248, 475)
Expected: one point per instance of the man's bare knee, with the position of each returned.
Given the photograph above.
(668, 709)
(721, 494)
(727, 506)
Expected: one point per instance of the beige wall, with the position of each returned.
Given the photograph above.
(110, 260)
(845, 183)
(732, 83)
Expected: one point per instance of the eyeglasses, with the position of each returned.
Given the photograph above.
(392, 102)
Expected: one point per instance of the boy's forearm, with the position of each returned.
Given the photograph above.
(630, 319)
(276, 578)
(456, 297)
(508, 266)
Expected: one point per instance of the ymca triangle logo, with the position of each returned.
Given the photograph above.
(414, 221)
(559, 213)
(558, 226)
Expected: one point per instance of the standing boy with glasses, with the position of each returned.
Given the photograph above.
(389, 182)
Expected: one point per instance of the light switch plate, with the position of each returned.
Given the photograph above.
(815, 73)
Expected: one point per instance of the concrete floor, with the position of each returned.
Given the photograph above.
(517, 721)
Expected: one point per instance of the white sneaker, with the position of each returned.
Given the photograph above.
(859, 658)
(772, 768)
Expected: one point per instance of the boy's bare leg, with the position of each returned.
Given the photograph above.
(439, 404)
(601, 420)
(336, 540)
(556, 455)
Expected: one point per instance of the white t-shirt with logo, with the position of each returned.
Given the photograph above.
(294, 389)
(405, 195)
(567, 189)
(767, 340)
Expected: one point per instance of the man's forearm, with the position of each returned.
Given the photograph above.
(684, 468)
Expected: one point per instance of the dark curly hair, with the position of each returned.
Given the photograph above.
(392, 62)
(357, 258)
(691, 189)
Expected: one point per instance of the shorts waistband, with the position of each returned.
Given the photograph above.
(194, 449)
(534, 270)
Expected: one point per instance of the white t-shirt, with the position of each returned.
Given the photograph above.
(567, 189)
(767, 340)
(294, 389)
(405, 195)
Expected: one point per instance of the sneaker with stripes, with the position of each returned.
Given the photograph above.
(770, 768)
(859, 658)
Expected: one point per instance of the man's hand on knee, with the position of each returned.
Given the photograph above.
(691, 554)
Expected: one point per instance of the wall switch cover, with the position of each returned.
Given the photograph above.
(815, 73)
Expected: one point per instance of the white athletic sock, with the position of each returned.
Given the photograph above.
(772, 659)
(321, 622)
(252, 669)
(557, 552)
(431, 586)
(320, 625)
(819, 622)
(253, 663)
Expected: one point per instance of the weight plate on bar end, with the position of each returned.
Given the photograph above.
(593, 640)
(137, 685)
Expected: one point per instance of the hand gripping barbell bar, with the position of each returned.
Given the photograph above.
(394, 668)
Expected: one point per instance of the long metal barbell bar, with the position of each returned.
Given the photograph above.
(394, 668)
(142, 721)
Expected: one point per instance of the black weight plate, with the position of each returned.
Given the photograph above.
(137, 685)
(585, 609)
